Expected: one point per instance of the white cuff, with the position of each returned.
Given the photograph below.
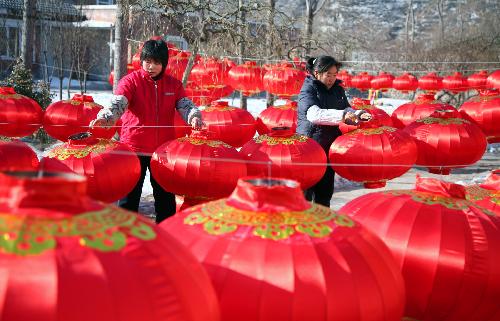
(320, 116)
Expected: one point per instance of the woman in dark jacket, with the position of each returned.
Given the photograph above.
(322, 106)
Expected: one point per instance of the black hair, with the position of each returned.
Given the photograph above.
(321, 64)
(156, 50)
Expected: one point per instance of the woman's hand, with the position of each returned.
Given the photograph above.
(366, 116)
(100, 122)
(196, 123)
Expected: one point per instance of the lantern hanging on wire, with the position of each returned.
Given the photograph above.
(19, 115)
(484, 110)
(362, 81)
(430, 82)
(405, 83)
(478, 81)
(345, 77)
(455, 83)
(284, 80)
(246, 78)
(493, 80)
(383, 81)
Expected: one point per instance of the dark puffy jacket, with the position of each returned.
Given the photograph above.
(314, 92)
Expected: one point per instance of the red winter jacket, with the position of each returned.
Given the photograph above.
(150, 103)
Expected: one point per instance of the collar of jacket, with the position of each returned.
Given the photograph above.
(148, 77)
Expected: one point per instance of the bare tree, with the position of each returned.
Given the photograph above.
(312, 9)
(28, 31)
(121, 42)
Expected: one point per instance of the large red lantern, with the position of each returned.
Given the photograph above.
(177, 64)
(197, 166)
(455, 83)
(207, 73)
(445, 141)
(379, 116)
(362, 81)
(231, 125)
(284, 80)
(373, 154)
(345, 77)
(423, 106)
(64, 256)
(282, 153)
(383, 81)
(111, 78)
(16, 156)
(278, 116)
(68, 117)
(273, 256)
(430, 82)
(478, 81)
(486, 194)
(493, 80)
(246, 78)
(199, 96)
(112, 169)
(484, 110)
(19, 115)
(447, 247)
(405, 83)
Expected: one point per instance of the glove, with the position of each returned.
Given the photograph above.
(196, 123)
(101, 122)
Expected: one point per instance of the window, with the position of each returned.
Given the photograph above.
(9, 42)
(105, 2)
(179, 42)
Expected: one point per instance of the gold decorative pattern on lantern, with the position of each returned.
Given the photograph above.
(5, 139)
(215, 108)
(479, 99)
(219, 218)
(11, 96)
(433, 199)
(270, 140)
(106, 230)
(87, 104)
(64, 152)
(199, 141)
(421, 101)
(372, 131)
(364, 107)
(477, 193)
(442, 121)
(285, 107)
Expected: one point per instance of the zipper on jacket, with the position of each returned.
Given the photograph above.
(157, 115)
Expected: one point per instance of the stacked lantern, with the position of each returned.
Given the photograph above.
(208, 73)
(278, 116)
(284, 80)
(362, 81)
(197, 166)
(373, 154)
(379, 116)
(445, 141)
(200, 96)
(273, 256)
(19, 115)
(478, 81)
(405, 83)
(383, 81)
(487, 194)
(16, 155)
(246, 78)
(493, 80)
(282, 153)
(112, 169)
(64, 256)
(423, 106)
(231, 125)
(111, 78)
(484, 110)
(68, 117)
(455, 83)
(448, 249)
(345, 77)
(430, 82)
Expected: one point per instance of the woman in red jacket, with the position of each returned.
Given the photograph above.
(146, 101)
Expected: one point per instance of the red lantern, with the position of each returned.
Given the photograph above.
(68, 117)
(379, 116)
(197, 166)
(19, 115)
(199, 96)
(16, 156)
(112, 169)
(111, 79)
(405, 83)
(282, 153)
(455, 83)
(273, 256)
(423, 106)
(382, 82)
(373, 154)
(64, 256)
(284, 80)
(136, 60)
(493, 80)
(207, 73)
(246, 78)
(362, 81)
(445, 141)
(487, 194)
(177, 64)
(430, 82)
(278, 116)
(182, 129)
(345, 77)
(478, 81)
(448, 248)
(231, 125)
(484, 110)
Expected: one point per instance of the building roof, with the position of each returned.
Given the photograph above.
(46, 9)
